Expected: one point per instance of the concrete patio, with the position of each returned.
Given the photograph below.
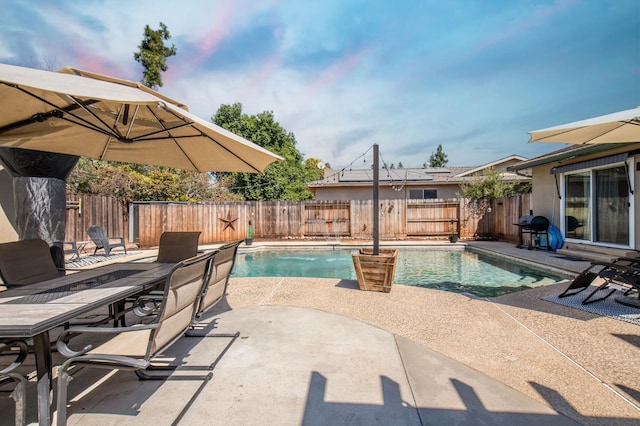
(320, 351)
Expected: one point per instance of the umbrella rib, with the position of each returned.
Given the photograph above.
(112, 131)
(170, 135)
(621, 123)
(63, 110)
(208, 137)
(608, 131)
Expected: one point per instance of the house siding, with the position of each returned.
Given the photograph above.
(545, 200)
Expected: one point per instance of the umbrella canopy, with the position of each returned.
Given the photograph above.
(85, 114)
(619, 127)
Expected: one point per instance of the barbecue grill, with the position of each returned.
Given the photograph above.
(533, 226)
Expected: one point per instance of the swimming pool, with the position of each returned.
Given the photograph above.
(459, 271)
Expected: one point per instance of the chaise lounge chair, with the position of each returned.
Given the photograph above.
(624, 271)
(99, 237)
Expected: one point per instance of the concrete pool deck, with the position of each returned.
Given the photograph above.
(320, 351)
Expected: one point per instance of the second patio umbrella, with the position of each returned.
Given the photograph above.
(619, 127)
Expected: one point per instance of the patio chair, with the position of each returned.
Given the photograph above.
(177, 246)
(174, 247)
(8, 375)
(216, 284)
(623, 271)
(134, 348)
(214, 287)
(26, 262)
(99, 237)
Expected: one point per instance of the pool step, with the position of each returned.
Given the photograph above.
(602, 254)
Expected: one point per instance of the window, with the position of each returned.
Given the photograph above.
(423, 194)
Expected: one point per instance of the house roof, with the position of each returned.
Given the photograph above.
(493, 164)
(412, 176)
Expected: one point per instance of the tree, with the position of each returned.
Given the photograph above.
(282, 180)
(482, 189)
(153, 55)
(400, 166)
(439, 159)
(145, 183)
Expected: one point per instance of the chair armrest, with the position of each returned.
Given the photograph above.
(20, 356)
(63, 339)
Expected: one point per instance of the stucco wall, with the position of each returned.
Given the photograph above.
(545, 201)
(7, 210)
(544, 196)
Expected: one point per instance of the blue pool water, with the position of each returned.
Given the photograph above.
(457, 271)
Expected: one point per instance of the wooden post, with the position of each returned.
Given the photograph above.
(376, 213)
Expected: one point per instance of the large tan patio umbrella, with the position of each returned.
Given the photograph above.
(49, 119)
(115, 120)
(619, 127)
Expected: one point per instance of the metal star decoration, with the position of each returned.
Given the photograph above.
(228, 222)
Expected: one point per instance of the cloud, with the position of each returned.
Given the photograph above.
(343, 75)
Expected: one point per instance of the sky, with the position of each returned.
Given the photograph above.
(471, 75)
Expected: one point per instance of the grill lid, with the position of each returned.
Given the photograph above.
(536, 223)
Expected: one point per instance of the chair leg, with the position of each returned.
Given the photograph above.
(580, 283)
(587, 300)
(19, 396)
(63, 382)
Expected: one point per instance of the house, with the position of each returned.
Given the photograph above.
(412, 183)
(588, 192)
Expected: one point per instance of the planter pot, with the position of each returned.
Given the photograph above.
(248, 241)
(453, 239)
(375, 272)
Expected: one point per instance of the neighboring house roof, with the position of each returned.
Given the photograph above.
(497, 163)
(566, 153)
(414, 176)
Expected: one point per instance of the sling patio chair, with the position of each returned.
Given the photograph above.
(134, 348)
(174, 247)
(99, 237)
(621, 271)
(216, 284)
(177, 246)
(26, 262)
(8, 375)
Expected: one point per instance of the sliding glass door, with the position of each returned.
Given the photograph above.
(597, 205)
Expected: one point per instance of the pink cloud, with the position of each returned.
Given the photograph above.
(257, 80)
(522, 27)
(336, 72)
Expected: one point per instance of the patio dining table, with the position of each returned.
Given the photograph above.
(33, 310)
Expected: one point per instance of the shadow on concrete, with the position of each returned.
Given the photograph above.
(394, 409)
(632, 339)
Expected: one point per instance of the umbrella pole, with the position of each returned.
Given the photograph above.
(376, 177)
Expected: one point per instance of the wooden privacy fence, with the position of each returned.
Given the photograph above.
(85, 210)
(143, 223)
